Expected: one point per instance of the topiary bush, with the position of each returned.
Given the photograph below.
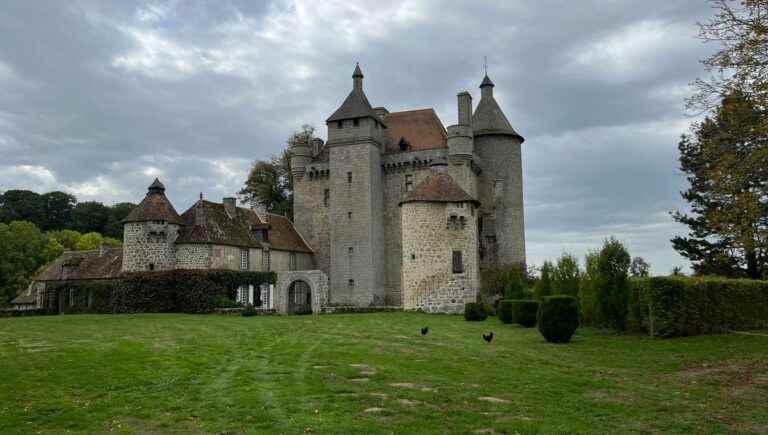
(524, 312)
(474, 312)
(504, 311)
(558, 318)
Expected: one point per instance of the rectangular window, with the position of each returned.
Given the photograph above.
(458, 265)
(71, 297)
(408, 182)
(349, 177)
(326, 197)
(244, 259)
(356, 122)
(351, 284)
(350, 250)
(340, 124)
(292, 261)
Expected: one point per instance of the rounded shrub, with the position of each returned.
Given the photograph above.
(558, 318)
(504, 311)
(524, 312)
(474, 312)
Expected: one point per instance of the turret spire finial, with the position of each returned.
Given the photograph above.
(357, 78)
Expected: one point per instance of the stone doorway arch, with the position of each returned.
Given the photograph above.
(292, 285)
(299, 298)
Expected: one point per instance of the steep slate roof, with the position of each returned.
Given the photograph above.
(438, 187)
(356, 104)
(79, 265)
(154, 207)
(489, 118)
(219, 228)
(421, 128)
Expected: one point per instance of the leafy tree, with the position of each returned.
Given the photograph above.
(21, 205)
(566, 276)
(677, 271)
(639, 268)
(23, 248)
(588, 285)
(93, 240)
(515, 282)
(58, 208)
(269, 183)
(118, 212)
(543, 286)
(66, 238)
(612, 283)
(90, 216)
(725, 162)
(741, 29)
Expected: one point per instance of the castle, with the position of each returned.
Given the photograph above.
(401, 211)
(392, 210)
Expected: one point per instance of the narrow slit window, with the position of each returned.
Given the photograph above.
(326, 197)
(458, 265)
(349, 177)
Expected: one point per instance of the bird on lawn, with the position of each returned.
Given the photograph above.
(424, 330)
(488, 337)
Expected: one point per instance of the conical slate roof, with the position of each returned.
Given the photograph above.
(488, 117)
(154, 207)
(438, 187)
(356, 104)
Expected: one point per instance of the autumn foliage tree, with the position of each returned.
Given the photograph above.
(725, 159)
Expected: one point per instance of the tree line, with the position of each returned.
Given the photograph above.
(37, 228)
(54, 211)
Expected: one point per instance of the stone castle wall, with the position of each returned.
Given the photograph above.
(311, 213)
(193, 256)
(429, 239)
(356, 224)
(396, 168)
(149, 246)
(501, 194)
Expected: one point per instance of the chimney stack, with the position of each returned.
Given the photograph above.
(230, 205)
(465, 108)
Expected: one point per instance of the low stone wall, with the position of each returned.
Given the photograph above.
(448, 298)
(239, 311)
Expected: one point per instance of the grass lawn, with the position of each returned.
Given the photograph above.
(367, 373)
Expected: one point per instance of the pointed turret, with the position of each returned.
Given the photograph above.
(154, 207)
(488, 117)
(356, 104)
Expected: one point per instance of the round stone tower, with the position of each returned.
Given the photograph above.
(500, 191)
(149, 233)
(439, 239)
(301, 155)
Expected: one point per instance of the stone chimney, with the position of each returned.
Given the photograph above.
(230, 205)
(465, 108)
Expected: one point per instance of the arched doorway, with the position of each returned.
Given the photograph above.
(299, 298)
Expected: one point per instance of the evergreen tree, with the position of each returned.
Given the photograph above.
(726, 162)
(543, 286)
(566, 276)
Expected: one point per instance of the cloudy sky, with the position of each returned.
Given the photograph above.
(97, 97)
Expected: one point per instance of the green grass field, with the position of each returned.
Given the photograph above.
(367, 373)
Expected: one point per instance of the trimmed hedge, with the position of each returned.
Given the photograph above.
(524, 312)
(475, 312)
(187, 291)
(504, 311)
(685, 306)
(558, 318)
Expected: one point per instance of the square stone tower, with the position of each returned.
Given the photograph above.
(355, 142)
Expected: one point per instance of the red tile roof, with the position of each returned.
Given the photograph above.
(438, 187)
(421, 128)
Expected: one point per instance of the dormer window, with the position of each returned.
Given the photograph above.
(404, 145)
(260, 232)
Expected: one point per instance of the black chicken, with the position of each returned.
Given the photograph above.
(488, 337)
(424, 330)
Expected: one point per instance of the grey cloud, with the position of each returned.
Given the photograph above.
(98, 96)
